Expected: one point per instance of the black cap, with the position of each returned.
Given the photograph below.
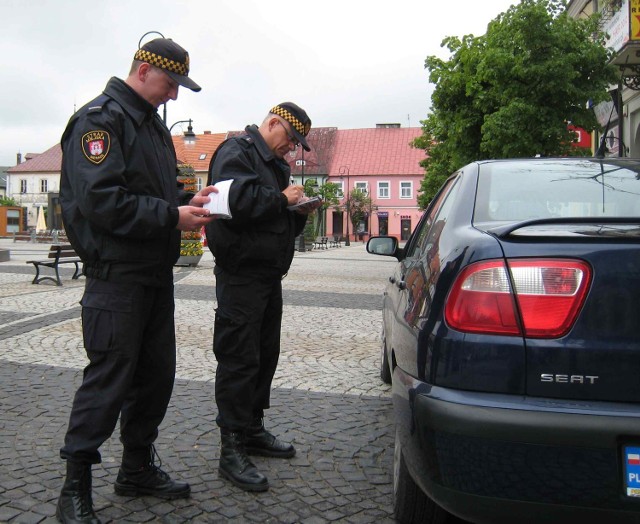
(297, 117)
(170, 57)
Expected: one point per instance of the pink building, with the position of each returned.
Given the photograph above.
(381, 162)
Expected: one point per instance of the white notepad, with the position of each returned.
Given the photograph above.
(219, 204)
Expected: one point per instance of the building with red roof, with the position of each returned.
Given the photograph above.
(379, 161)
(35, 183)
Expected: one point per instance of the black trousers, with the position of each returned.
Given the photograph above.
(246, 343)
(129, 337)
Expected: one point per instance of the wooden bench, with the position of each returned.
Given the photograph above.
(47, 237)
(58, 254)
(320, 243)
(23, 237)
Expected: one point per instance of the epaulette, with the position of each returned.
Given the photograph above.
(96, 105)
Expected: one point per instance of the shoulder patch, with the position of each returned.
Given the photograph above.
(95, 145)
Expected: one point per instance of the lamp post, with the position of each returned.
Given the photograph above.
(301, 246)
(164, 110)
(189, 135)
(345, 170)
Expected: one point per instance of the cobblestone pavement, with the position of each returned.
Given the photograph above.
(327, 399)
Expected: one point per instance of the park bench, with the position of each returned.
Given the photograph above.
(335, 241)
(42, 237)
(58, 254)
(320, 243)
(23, 237)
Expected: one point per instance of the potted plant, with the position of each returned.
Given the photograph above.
(191, 241)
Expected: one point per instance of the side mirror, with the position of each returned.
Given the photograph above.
(386, 246)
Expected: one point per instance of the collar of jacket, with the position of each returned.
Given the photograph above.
(262, 147)
(136, 106)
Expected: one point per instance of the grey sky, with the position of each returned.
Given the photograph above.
(349, 63)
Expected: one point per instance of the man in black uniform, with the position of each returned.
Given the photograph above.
(253, 251)
(123, 211)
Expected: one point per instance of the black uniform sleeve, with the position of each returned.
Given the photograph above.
(103, 189)
(250, 199)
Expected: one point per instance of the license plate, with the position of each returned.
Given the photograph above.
(631, 458)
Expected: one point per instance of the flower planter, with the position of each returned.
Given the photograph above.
(188, 260)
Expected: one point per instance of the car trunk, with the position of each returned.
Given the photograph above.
(599, 358)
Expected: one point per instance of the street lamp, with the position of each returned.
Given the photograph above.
(189, 135)
(164, 110)
(342, 171)
(301, 246)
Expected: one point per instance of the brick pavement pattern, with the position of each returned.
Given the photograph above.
(327, 399)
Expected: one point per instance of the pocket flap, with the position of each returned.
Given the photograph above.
(107, 302)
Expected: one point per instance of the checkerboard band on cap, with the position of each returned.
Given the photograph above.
(162, 62)
(282, 112)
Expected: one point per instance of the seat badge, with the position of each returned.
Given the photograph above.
(95, 145)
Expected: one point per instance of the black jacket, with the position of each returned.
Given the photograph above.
(118, 189)
(260, 235)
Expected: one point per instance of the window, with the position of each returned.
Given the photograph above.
(44, 185)
(362, 187)
(426, 229)
(13, 221)
(555, 189)
(23, 186)
(383, 190)
(198, 183)
(203, 156)
(340, 185)
(406, 189)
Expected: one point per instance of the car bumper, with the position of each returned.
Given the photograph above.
(497, 458)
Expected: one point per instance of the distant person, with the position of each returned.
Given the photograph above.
(253, 251)
(123, 211)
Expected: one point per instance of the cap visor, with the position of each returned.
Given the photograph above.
(301, 139)
(184, 81)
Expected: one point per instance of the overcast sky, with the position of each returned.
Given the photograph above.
(349, 63)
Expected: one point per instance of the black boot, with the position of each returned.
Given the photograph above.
(260, 442)
(236, 466)
(75, 505)
(139, 476)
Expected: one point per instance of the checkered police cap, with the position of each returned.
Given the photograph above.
(165, 54)
(297, 117)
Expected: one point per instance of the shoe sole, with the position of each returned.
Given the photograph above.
(245, 487)
(126, 491)
(273, 454)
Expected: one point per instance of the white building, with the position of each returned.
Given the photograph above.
(35, 183)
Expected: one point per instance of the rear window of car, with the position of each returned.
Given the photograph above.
(517, 191)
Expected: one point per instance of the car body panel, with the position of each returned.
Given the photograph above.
(504, 428)
(515, 449)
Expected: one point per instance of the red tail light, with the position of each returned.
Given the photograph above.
(547, 298)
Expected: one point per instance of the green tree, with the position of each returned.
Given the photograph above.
(360, 207)
(512, 91)
(328, 193)
(6, 201)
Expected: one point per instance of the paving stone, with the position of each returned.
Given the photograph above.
(327, 400)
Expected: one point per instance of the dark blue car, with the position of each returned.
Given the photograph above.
(511, 337)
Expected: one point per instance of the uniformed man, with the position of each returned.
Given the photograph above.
(253, 250)
(123, 211)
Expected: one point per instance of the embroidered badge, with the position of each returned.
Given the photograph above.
(95, 145)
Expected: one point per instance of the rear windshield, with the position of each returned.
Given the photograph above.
(556, 188)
